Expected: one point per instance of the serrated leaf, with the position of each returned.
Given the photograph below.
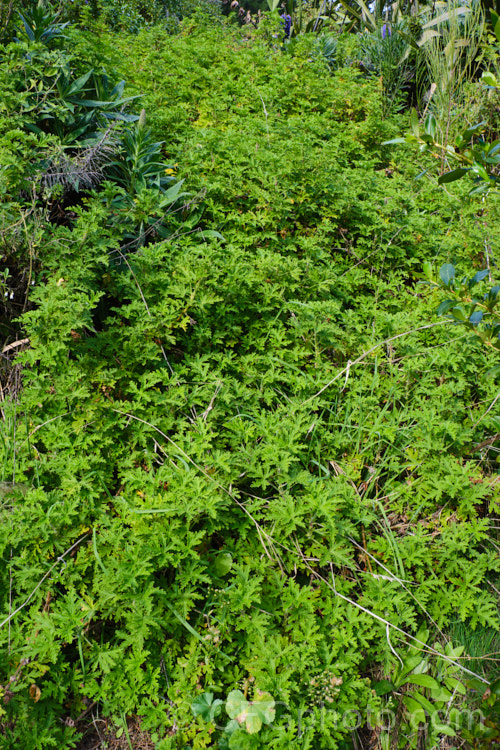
(12, 488)
(206, 707)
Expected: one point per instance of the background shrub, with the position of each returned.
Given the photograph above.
(243, 462)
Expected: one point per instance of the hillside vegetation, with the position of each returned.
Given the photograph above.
(249, 490)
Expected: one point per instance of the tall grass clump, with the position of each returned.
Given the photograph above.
(449, 58)
(383, 55)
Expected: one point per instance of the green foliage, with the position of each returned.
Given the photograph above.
(206, 707)
(119, 15)
(383, 53)
(462, 57)
(130, 16)
(69, 133)
(244, 473)
(478, 158)
(482, 734)
(424, 690)
(449, 53)
(8, 17)
(206, 12)
(478, 313)
(139, 163)
(40, 24)
(251, 714)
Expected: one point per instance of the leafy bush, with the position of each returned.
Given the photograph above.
(68, 130)
(8, 9)
(245, 474)
(130, 16)
(120, 15)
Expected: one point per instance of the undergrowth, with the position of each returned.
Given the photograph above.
(249, 480)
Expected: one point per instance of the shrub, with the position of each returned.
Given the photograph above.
(244, 474)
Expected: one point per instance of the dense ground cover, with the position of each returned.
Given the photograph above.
(224, 468)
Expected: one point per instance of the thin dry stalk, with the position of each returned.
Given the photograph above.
(265, 539)
(363, 356)
(47, 574)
